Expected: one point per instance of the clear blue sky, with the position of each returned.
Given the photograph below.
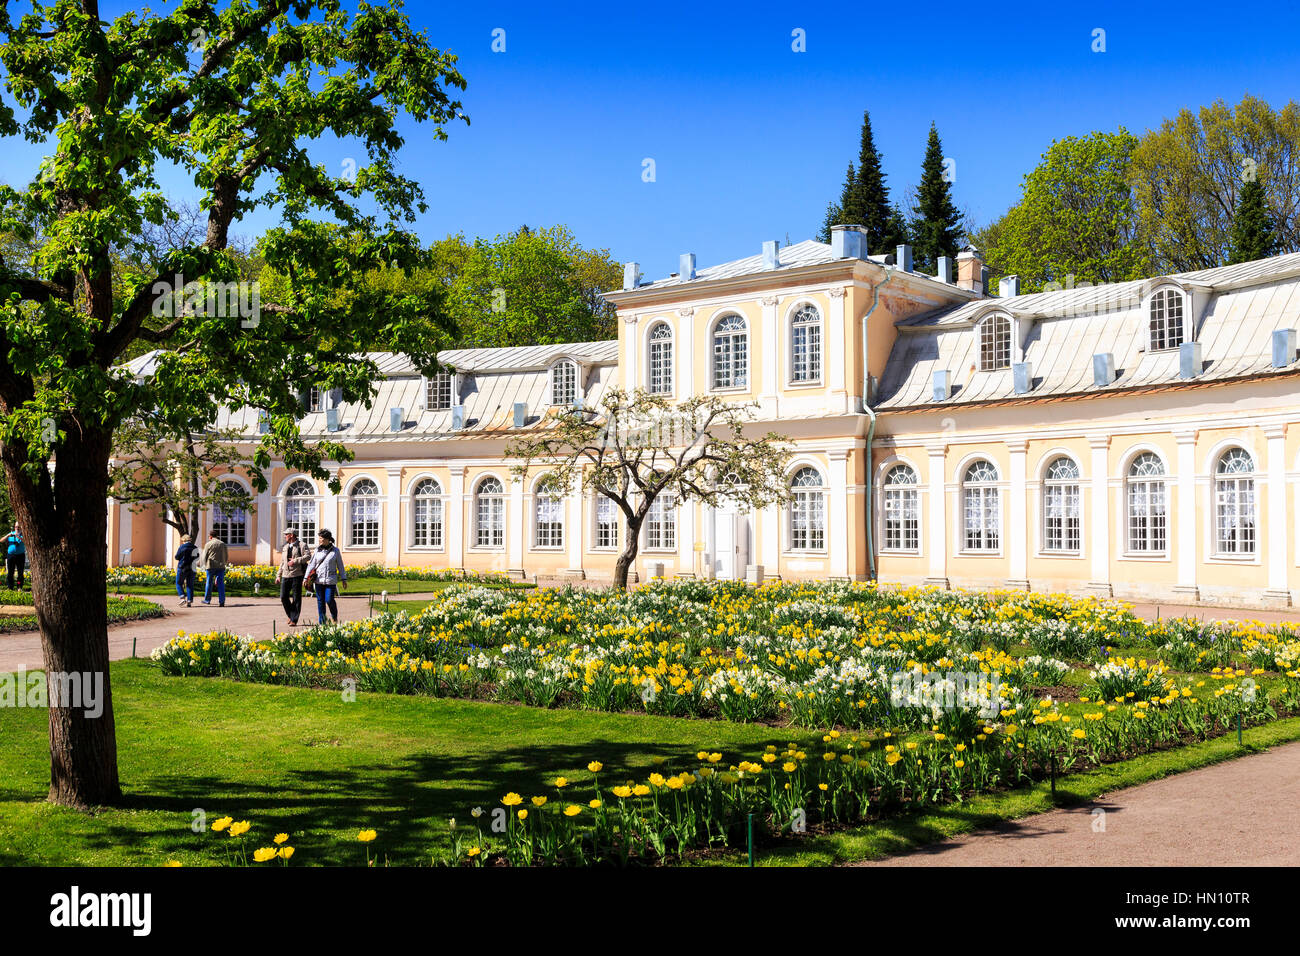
(750, 139)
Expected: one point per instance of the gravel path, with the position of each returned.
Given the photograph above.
(1242, 812)
(241, 615)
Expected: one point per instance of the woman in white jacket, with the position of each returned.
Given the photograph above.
(325, 572)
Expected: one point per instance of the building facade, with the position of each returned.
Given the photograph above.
(1139, 439)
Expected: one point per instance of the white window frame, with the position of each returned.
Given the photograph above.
(564, 381)
(735, 341)
(1230, 487)
(1152, 520)
(806, 534)
(492, 507)
(370, 523)
(808, 352)
(605, 533)
(1064, 494)
(435, 532)
(997, 328)
(897, 498)
(238, 519)
(983, 499)
(661, 523)
(439, 387)
(305, 525)
(660, 359)
(1162, 300)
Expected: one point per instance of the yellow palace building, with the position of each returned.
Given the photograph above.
(1138, 439)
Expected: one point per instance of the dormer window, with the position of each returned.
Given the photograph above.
(995, 343)
(437, 392)
(564, 382)
(1167, 328)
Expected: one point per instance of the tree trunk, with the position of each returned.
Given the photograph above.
(65, 527)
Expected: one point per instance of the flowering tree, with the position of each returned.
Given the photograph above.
(636, 447)
(233, 96)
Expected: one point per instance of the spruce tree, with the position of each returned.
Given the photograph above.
(936, 230)
(1252, 235)
(871, 196)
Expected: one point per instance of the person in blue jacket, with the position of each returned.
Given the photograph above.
(186, 555)
(15, 558)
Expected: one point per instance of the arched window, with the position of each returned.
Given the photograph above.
(426, 507)
(1166, 320)
(363, 526)
(1147, 513)
(1061, 506)
(548, 521)
(564, 383)
(300, 511)
(659, 377)
(981, 513)
(437, 392)
(806, 345)
(995, 343)
(807, 511)
(730, 353)
(661, 523)
(490, 513)
(1234, 503)
(902, 510)
(231, 526)
(606, 522)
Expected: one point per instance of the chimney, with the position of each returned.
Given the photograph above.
(771, 260)
(1283, 347)
(970, 270)
(945, 270)
(942, 385)
(1008, 286)
(904, 258)
(631, 276)
(686, 266)
(848, 242)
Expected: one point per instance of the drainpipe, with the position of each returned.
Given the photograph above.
(871, 424)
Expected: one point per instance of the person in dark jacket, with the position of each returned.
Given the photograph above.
(15, 558)
(186, 555)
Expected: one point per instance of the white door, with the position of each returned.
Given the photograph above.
(724, 545)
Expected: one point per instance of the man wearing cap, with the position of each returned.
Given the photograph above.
(293, 565)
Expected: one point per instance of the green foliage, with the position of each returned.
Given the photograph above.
(1252, 227)
(937, 228)
(530, 287)
(1187, 175)
(1075, 217)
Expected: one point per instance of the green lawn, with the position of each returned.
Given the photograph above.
(306, 763)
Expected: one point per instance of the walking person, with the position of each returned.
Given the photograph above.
(325, 571)
(15, 558)
(293, 565)
(214, 568)
(186, 555)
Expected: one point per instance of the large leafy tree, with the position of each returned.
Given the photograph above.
(936, 230)
(1075, 217)
(1187, 176)
(231, 96)
(635, 448)
(529, 287)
